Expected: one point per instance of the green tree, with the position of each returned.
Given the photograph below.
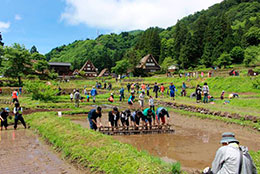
(252, 37)
(33, 49)
(252, 54)
(121, 67)
(237, 54)
(38, 56)
(17, 62)
(168, 61)
(224, 60)
(41, 66)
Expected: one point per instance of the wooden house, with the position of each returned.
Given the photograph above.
(173, 68)
(60, 67)
(89, 69)
(148, 64)
(104, 73)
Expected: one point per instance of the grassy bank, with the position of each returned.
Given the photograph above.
(100, 153)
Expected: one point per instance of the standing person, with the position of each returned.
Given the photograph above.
(85, 91)
(183, 91)
(205, 91)
(92, 118)
(113, 117)
(71, 97)
(125, 117)
(137, 87)
(155, 89)
(151, 103)
(148, 90)
(88, 97)
(132, 88)
(20, 90)
(122, 94)
(222, 95)
(77, 97)
(18, 115)
(109, 86)
(3, 118)
(131, 100)
(162, 89)
(105, 85)
(198, 93)
(141, 100)
(128, 87)
(231, 158)
(172, 91)
(93, 93)
(161, 112)
(202, 74)
(143, 87)
(149, 116)
(15, 96)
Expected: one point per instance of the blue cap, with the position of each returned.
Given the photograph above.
(7, 109)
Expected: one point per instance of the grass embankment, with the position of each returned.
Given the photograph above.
(100, 153)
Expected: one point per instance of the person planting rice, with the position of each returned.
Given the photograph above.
(18, 115)
(15, 96)
(131, 100)
(162, 89)
(161, 113)
(77, 97)
(172, 91)
(122, 94)
(151, 103)
(94, 115)
(113, 117)
(3, 118)
(141, 100)
(135, 118)
(125, 117)
(231, 158)
(148, 117)
(111, 98)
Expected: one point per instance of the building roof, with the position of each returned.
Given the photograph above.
(59, 64)
(91, 64)
(144, 60)
(103, 72)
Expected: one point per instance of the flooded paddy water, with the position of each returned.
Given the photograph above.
(194, 142)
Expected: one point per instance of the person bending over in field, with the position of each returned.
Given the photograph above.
(131, 100)
(125, 117)
(135, 118)
(18, 115)
(93, 115)
(148, 117)
(161, 114)
(113, 117)
(3, 118)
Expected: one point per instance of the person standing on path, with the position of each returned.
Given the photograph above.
(122, 94)
(15, 96)
(156, 89)
(3, 118)
(93, 115)
(231, 158)
(198, 94)
(18, 115)
(205, 91)
(148, 90)
(172, 91)
(93, 93)
(151, 103)
(141, 100)
(77, 98)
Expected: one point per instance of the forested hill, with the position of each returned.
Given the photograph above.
(228, 32)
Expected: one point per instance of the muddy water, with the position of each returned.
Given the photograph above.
(194, 143)
(22, 152)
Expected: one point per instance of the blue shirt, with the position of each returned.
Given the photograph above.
(93, 92)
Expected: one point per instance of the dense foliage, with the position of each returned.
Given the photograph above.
(218, 36)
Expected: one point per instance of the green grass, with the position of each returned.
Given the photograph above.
(93, 150)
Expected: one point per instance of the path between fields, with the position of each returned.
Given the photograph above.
(21, 152)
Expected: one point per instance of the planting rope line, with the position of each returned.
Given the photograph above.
(155, 129)
(252, 118)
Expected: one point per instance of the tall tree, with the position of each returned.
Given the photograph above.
(33, 49)
(17, 62)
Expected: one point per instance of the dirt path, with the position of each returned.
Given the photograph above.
(21, 152)
(194, 143)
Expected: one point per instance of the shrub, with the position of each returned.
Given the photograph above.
(41, 91)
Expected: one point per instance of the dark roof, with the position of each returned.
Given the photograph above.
(103, 72)
(59, 64)
(91, 64)
(144, 60)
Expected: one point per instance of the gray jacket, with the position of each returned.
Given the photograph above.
(227, 160)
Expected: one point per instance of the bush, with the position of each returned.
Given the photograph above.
(41, 91)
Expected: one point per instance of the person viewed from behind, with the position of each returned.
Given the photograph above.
(231, 158)
(198, 93)
(172, 91)
(183, 89)
(148, 117)
(148, 90)
(122, 94)
(205, 91)
(93, 115)
(15, 96)
(151, 103)
(128, 87)
(135, 118)
(113, 117)
(18, 115)
(141, 100)
(156, 89)
(77, 97)
(93, 93)
(161, 113)
(162, 89)
(143, 87)
(125, 117)
(131, 100)
(3, 118)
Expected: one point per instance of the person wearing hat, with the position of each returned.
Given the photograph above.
(231, 158)
(113, 117)
(18, 110)
(3, 118)
(93, 114)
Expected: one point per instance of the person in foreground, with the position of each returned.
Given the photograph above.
(93, 115)
(231, 158)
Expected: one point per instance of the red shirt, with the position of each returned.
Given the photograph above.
(15, 94)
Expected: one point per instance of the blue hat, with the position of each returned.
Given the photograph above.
(7, 109)
(228, 137)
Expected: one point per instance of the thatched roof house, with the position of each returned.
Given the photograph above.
(148, 64)
(89, 69)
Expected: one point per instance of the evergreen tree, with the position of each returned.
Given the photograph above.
(33, 49)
